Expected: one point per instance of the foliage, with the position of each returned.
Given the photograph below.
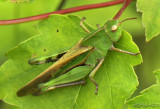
(150, 17)
(17, 1)
(115, 69)
(3, 0)
(116, 77)
(149, 97)
(11, 35)
(21, 1)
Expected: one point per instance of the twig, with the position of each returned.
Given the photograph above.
(126, 3)
(64, 11)
(61, 5)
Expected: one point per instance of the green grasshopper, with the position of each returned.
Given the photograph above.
(70, 67)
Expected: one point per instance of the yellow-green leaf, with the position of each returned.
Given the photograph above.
(149, 97)
(150, 17)
(116, 78)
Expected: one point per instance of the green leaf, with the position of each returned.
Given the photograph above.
(20, 32)
(149, 97)
(98, 16)
(21, 1)
(17, 1)
(116, 78)
(7, 106)
(3, 0)
(150, 17)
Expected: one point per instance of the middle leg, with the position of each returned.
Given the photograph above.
(94, 72)
(122, 51)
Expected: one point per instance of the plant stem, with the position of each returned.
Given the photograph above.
(61, 5)
(64, 11)
(126, 3)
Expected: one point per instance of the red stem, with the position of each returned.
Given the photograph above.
(64, 11)
(126, 3)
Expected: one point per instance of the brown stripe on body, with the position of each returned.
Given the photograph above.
(32, 86)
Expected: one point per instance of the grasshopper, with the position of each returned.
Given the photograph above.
(70, 67)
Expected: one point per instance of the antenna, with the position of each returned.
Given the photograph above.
(114, 27)
(126, 20)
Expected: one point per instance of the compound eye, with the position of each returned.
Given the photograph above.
(114, 28)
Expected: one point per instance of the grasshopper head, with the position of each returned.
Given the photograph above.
(113, 30)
